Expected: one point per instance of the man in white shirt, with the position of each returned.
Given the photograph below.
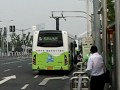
(95, 67)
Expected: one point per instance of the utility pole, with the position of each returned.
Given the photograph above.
(117, 44)
(6, 39)
(23, 42)
(57, 23)
(104, 33)
(97, 24)
(1, 40)
(57, 18)
(88, 24)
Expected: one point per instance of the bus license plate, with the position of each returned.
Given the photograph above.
(49, 68)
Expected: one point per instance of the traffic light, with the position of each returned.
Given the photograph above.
(12, 28)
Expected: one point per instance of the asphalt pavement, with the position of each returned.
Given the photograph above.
(16, 74)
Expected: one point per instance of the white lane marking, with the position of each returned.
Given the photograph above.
(5, 79)
(13, 62)
(19, 66)
(7, 70)
(44, 81)
(25, 86)
(36, 76)
(47, 79)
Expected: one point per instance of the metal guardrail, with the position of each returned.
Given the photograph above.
(80, 79)
(74, 83)
(15, 54)
(79, 83)
(81, 66)
(19, 54)
(85, 83)
(79, 73)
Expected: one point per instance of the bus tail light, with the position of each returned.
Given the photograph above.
(34, 60)
(65, 60)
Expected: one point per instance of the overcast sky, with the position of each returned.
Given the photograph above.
(27, 13)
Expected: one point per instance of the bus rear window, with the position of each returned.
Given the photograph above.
(50, 40)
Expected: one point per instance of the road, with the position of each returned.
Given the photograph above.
(16, 74)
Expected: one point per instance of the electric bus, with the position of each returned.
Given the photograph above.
(53, 50)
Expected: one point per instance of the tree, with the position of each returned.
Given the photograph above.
(27, 40)
(17, 41)
(4, 39)
(111, 11)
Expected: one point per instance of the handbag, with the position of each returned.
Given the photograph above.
(107, 76)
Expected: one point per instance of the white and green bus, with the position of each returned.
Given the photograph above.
(53, 50)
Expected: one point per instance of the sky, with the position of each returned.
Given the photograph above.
(28, 13)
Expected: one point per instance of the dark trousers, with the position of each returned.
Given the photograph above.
(97, 82)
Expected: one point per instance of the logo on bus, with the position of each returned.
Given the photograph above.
(50, 59)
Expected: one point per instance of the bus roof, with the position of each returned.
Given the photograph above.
(49, 31)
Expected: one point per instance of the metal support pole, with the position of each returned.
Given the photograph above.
(104, 21)
(1, 40)
(57, 23)
(88, 25)
(117, 36)
(7, 40)
(92, 27)
(104, 33)
(97, 24)
(3, 45)
(23, 42)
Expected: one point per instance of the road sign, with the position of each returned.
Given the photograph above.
(87, 42)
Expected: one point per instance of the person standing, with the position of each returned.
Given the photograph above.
(77, 58)
(95, 67)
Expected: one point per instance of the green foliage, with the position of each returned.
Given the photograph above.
(18, 40)
(5, 32)
(111, 11)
